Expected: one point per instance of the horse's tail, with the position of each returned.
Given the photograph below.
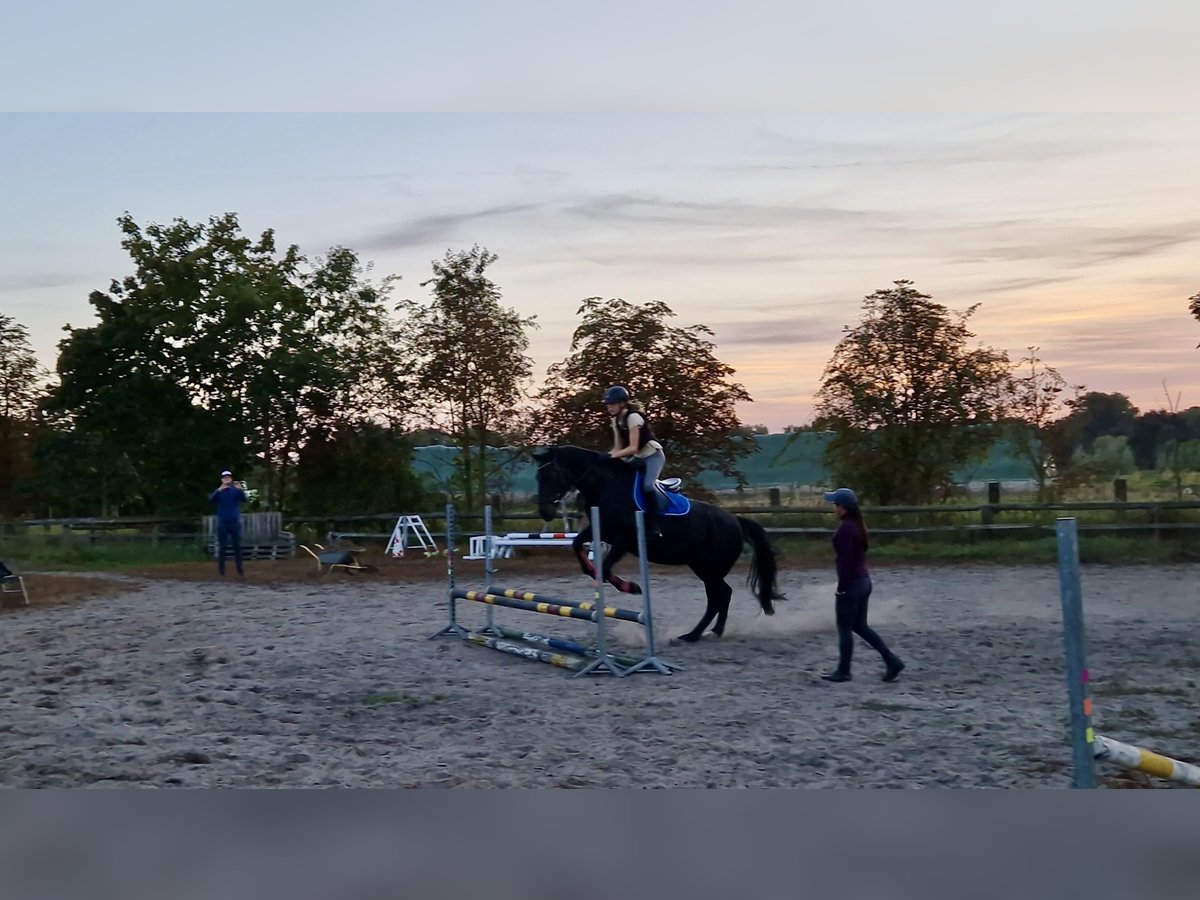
(763, 566)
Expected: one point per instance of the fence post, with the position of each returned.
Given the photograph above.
(993, 492)
(1082, 737)
(1120, 490)
(773, 497)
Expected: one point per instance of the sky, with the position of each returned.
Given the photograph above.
(1075, 233)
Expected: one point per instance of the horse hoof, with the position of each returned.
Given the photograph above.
(688, 638)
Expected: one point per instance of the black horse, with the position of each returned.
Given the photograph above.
(707, 539)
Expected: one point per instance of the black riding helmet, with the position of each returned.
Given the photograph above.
(616, 394)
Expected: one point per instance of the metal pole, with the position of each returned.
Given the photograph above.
(602, 660)
(453, 628)
(644, 571)
(1074, 644)
(490, 627)
(650, 661)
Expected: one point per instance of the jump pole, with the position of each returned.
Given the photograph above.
(651, 661)
(488, 570)
(1083, 756)
(453, 627)
(585, 609)
(498, 596)
(560, 644)
(574, 663)
(603, 662)
(1086, 745)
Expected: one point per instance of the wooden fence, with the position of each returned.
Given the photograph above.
(266, 531)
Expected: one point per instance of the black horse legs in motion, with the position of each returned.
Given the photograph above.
(708, 540)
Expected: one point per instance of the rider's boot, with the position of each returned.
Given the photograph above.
(651, 517)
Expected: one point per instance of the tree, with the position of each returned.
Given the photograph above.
(1194, 308)
(672, 372)
(1173, 459)
(360, 468)
(909, 398)
(1109, 458)
(1096, 414)
(1037, 409)
(22, 383)
(472, 364)
(218, 351)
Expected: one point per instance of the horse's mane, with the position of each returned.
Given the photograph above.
(581, 458)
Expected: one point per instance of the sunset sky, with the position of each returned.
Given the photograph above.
(1076, 233)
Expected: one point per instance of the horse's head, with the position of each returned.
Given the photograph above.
(553, 483)
(562, 468)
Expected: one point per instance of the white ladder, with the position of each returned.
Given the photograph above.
(398, 542)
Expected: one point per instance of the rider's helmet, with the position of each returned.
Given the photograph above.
(616, 394)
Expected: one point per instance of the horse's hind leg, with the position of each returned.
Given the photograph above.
(718, 595)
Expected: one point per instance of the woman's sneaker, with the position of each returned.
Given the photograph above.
(836, 676)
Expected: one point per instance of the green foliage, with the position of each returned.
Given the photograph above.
(909, 398)
(1097, 415)
(21, 386)
(215, 352)
(472, 364)
(671, 372)
(1110, 458)
(30, 552)
(1038, 409)
(359, 469)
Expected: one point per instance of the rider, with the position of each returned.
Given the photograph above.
(633, 439)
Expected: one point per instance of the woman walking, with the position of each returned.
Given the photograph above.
(850, 544)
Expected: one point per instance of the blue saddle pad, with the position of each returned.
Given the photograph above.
(676, 504)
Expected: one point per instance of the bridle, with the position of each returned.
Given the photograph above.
(568, 483)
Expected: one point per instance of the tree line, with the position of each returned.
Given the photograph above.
(314, 380)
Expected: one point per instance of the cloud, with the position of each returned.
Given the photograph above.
(1079, 246)
(781, 331)
(617, 208)
(428, 229)
(40, 280)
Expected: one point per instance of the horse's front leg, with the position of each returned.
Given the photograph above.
(584, 556)
(615, 554)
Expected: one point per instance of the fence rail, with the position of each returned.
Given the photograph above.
(1138, 516)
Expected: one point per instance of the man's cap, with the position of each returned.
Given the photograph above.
(226, 472)
(843, 497)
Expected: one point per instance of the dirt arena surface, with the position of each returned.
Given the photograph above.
(288, 680)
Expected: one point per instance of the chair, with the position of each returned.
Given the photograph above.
(328, 560)
(12, 583)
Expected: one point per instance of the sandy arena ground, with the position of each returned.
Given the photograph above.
(334, 683)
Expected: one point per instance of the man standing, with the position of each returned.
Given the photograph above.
(229, 497)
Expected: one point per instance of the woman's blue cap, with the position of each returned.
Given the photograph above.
(843, 497)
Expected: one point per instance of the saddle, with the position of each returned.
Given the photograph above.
(671, 501)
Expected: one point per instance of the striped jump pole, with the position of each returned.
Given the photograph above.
(1147, 761)
(560, 644)
(576, 609)
(613, 612)
(574, 663)
(541, 535)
